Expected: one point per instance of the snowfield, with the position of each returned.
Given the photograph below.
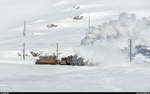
(124, 78)
(113, 23)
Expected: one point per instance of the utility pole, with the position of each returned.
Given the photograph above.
(57, 50)
(24, 45)
(24, 51)
(89, 24)
(130, 51)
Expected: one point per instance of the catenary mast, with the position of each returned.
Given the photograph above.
(24, 44)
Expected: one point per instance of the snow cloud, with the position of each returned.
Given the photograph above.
(108, 43)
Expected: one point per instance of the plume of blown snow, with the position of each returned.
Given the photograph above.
(108, 44)
(104, 53)
(127, 26)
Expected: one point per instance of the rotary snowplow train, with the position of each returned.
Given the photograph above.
(70, 60)
(53, 60)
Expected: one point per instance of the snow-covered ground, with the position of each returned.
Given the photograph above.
(113, 71)
(19, 77)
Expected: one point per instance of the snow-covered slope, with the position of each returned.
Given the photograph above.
(113, 72)
(38, 14)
